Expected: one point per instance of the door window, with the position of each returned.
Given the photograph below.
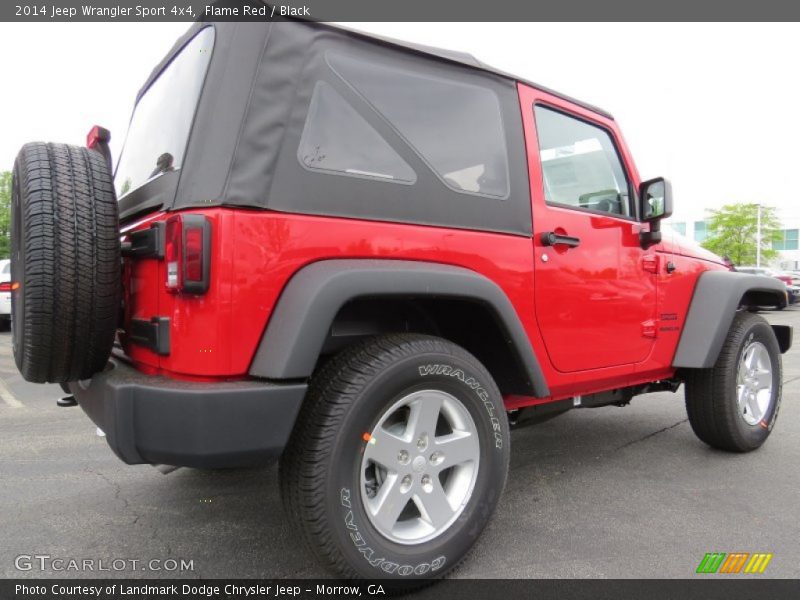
(580, 165)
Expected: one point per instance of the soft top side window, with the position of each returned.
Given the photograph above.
(455, 127)
(336, 139)
(581, 167)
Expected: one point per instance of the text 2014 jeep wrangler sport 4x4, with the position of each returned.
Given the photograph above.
(366, 258)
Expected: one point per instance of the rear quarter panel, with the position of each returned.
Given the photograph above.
(256, 252)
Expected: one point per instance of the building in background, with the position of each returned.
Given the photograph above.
(693, 224)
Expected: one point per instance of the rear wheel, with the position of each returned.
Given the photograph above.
(66, 259)
(733, 405)
(398, 458)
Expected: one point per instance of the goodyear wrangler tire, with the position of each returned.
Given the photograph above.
(398, 458)
(65, 258)
(733, 406)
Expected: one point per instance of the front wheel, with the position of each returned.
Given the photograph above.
(398, 458)
(733, 405)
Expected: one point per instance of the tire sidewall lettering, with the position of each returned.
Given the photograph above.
(376, 559)
(473, 383)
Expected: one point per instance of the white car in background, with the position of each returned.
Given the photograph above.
(5, 294)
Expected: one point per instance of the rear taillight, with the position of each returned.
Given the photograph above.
(193, 255)
(172, 252)
(8, 286)
(187, 251)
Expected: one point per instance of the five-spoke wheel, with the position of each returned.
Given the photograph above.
(754, 383)
(398, 458)
(419, 466)
(733, 405)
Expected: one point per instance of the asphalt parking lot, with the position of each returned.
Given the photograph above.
(610, 492)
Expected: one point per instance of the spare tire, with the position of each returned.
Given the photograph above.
(65, 258)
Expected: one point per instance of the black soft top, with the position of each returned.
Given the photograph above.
(243, 145)
(453, 56)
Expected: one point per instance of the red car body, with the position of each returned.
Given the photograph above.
(601, 316)
(369, 260)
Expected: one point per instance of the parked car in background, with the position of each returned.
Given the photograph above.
(792, 289)
(759, 271)
(5, 294)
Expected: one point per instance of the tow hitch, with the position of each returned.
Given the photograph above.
(67, 400)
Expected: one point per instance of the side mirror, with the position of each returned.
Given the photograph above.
(655, 204)
(656, 199)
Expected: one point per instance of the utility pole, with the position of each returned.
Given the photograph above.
(758, 236)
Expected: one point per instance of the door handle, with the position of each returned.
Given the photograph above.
(551, 238)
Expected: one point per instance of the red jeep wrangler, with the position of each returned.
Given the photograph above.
(367, 259)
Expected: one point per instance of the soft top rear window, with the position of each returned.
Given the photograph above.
(159, 130)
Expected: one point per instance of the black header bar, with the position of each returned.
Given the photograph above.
(708, 587)
(405, 10)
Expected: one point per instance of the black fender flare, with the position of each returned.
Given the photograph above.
(717, 297)
(295, 334)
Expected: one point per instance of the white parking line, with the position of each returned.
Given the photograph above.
(8, 397)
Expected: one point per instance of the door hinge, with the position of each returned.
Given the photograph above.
(650, 263)
(152, 334)
(649, 328)
(145, 243)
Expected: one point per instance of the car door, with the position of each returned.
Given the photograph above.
(594, 285)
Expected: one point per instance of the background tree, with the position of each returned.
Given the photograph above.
(733, 232)
(5, 214)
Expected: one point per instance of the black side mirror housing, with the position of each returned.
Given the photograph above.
(655, 204)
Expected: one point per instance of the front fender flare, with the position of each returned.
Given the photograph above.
(717, 297)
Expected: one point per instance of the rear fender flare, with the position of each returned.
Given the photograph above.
(296, 332)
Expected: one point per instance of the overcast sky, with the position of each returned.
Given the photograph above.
(713, 106)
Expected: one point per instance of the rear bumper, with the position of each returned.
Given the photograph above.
(150, 419)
